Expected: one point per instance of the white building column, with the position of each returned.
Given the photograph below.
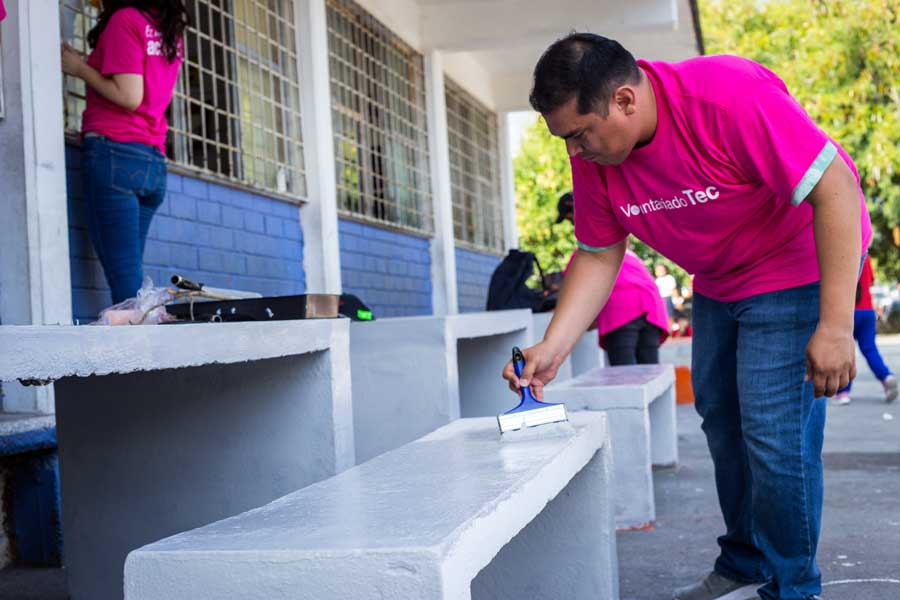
(444, 299)
(321, 246)
(35, 284)
(507, 183)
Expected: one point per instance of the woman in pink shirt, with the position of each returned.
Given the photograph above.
(130, 77)
(633, 323)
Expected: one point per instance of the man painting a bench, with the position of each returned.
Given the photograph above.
(711, 162)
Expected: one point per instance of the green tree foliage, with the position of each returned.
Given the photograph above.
(841, 60)
(542, 175)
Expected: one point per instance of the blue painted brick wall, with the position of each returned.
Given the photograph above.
(207, 232)
(389, 271)
(473, 275)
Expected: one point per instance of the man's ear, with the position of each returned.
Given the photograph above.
(625, 99)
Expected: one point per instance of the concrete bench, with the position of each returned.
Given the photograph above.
(167, 427)
(412, 375)
(640, 402)
(455, 515)
(586, 354)
(30, 531)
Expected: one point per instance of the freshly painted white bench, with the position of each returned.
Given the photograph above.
(586, 354)
(640, 402)
(412, 375)
(162, 428)
(455, 515)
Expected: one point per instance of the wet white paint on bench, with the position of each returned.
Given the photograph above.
(456, 515)
(640, 402)
(162, 428)
(412, 375)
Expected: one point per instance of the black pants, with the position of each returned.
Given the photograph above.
(634, 343)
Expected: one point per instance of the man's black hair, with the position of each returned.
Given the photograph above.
(587, 66)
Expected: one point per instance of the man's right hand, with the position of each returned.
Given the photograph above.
(541, 365)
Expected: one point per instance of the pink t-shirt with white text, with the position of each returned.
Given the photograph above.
(132, 44)
(720, 187)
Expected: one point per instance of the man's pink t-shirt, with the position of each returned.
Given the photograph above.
(633, 295)
(720, 187)
(132, 44)
(2, 11)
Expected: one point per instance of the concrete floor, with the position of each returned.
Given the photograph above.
(859, 553)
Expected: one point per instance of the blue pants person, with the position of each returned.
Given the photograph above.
(864, 332)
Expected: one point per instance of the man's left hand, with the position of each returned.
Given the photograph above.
(830, 360)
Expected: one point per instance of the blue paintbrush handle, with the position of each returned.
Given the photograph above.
(518, 362)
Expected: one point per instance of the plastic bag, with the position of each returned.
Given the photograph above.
(147, 308)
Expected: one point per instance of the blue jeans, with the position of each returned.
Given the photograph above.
(765, 433)
(124, 184)
(864, 332)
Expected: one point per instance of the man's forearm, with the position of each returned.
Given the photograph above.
(585, 290)
(835, 201)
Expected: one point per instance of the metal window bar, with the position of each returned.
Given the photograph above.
(472, 132)
(380, 129)
(236, 110)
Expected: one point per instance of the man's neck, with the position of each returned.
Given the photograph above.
(648, 128)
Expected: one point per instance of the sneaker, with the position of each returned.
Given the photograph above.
(890, 388)
(841, 399)
(717, 587)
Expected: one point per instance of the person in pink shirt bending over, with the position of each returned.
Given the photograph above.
(633, 323)
(713, 163)
(130, 77)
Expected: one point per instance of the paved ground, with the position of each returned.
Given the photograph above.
(860, 547)
(859, 553)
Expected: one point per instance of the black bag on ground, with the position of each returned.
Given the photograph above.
(508, 287)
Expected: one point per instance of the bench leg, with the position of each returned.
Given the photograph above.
(632, 471)
(568, 551)
(147, 455)
(664, 430)
(480, 361)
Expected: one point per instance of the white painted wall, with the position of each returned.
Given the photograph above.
(34, 242)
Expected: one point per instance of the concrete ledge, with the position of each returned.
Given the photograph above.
(23, 433)
(412, 375)
(640, 402)
(456, 515)
(51, 352)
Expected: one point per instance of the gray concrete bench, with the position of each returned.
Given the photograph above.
(640, 402)
(412, 375)
(455, 515)
(586, 354)
(162, 428)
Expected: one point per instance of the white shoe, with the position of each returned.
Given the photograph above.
(890, 388)
(841, 399)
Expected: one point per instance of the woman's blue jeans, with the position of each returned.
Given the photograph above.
(124, 184)
(864, 329)
(765, 431)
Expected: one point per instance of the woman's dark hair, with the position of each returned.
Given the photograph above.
(170, 17)
(584, 65)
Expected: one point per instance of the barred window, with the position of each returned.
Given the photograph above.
(236, 110)
(474, 171)
(378, 108)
